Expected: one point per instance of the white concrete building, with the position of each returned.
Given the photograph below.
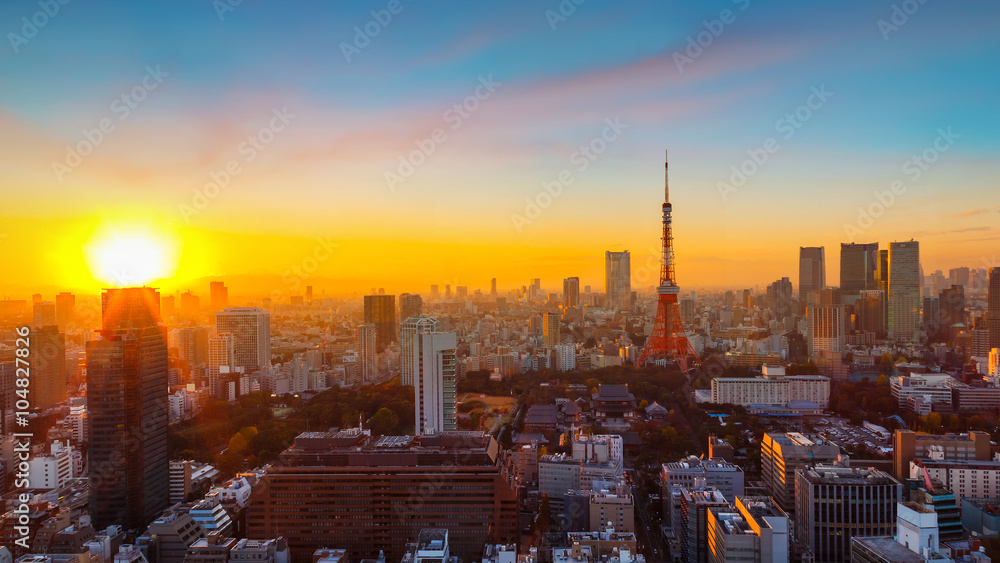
(408, 329)
(51, 471)
(771, 390)
(434, 366)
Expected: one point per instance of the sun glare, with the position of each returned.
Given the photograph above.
(124, 257)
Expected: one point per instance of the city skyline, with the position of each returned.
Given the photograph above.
(639, 86)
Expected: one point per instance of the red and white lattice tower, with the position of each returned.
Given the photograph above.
(668, 341)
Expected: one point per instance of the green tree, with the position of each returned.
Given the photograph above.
(384, 421)
(237, 444)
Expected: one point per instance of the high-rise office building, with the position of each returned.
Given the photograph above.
(904, 292)
(411, 305)
(127, 412)
(869, 309)
(435, 293)
(410, 327)
(8, 400)
(190, 305)
(779, 298)
(191, 343)
(48, 367)
(221, 363)
(65, 310)
(493, 287)
(571, 292)
(825, 329)
(836, 504)
(993, 308)
(309, 295)
(367, 337)
(858, 267)
(250, 328)
(218, 295)
(812, 272)
(380, 310)
(756, 530)
(951, 312)
(551, 326)
(434, 366)
(618, 280)
(783, 454)
(960, 276)
(43, 314)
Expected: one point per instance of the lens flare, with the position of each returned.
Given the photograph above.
(129, 256)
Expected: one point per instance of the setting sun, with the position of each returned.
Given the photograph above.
(131, 256)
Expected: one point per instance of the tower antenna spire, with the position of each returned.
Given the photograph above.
(668, 342)
(666, 178)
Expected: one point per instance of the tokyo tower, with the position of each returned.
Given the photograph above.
(668, 341)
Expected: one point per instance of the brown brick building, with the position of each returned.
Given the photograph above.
(366, 494)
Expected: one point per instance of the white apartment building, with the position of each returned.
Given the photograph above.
(434, 365)
(771, 391)
(973, 479)
(51, 471)
(408, 329)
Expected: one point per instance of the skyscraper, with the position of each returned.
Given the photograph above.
(127, 411)
(190, 305)
(493, 287)
(779, 297)
(218, 295)
(434, 366)
(571, 292)
(551, 326)
(367, 336)
(410, 327)
(618, 280)
(43, 314)
(48, 367)
(865, 501)
(904, 292)
(380, 310)
(870, 310)
(993, 308)
(410, 305)
(65, 310)
(221, 354)
(858, 267)
(250, 328)
(812, 272)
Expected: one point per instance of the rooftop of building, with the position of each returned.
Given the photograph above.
(692, 462)
(732, 522)
(889, 548)
(830, 475)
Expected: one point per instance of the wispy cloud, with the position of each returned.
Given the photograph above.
(981, 211)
